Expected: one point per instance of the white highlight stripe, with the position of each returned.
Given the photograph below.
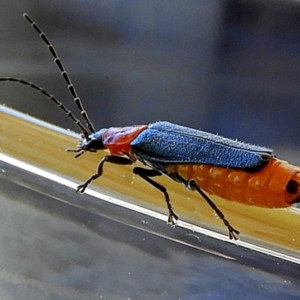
(145, 211)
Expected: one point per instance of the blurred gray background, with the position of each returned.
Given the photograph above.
(228, 67)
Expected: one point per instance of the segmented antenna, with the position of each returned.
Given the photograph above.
(64, 75)
(52, 98)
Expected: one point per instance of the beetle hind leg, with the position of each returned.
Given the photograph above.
(146, 174)
(233, 233)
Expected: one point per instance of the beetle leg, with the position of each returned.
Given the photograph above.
(109, 158)
(146, 174)
(191, 184)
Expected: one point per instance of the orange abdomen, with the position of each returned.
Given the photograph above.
(276, 185)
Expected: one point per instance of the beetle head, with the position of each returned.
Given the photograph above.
(93, 143)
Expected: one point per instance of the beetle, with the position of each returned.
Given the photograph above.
(205, 162)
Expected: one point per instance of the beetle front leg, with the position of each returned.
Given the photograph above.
(109, 158)
(146, 174)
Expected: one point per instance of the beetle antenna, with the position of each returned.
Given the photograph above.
(52, 98)
(63, 73)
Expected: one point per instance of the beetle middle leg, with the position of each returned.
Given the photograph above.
(146, 174)
(109, 158)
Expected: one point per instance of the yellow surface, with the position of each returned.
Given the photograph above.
(46, 148)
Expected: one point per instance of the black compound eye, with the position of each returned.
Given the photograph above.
(94, 145)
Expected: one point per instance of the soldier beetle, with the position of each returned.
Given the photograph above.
(202, 161)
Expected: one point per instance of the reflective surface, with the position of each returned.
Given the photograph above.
(35, 143)
(68, 249)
